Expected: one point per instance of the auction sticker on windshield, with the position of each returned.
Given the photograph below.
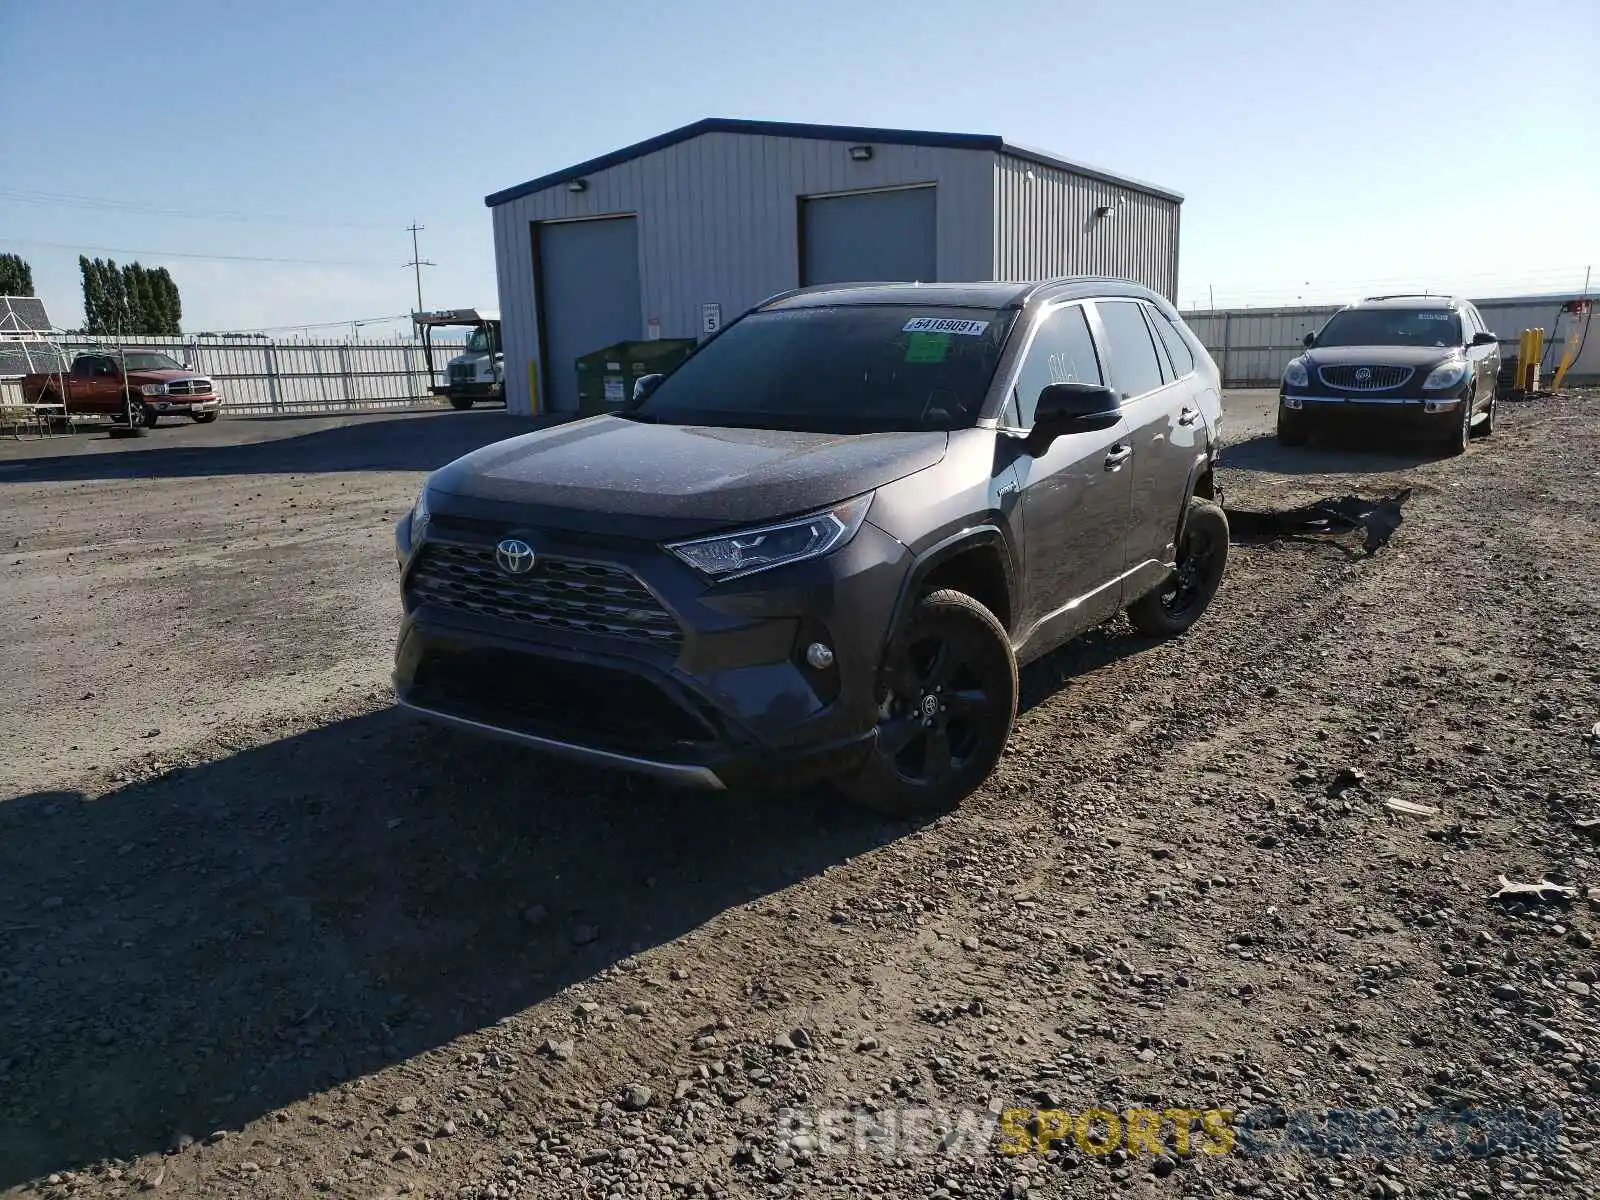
(945, 325)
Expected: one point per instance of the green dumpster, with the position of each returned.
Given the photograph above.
(606, 377)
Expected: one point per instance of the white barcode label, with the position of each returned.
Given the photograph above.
(945, 325)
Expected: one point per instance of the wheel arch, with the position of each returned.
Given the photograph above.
(976, 561)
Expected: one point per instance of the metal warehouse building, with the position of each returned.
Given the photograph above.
(674, 235)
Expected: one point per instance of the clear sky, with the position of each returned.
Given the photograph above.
(1323, 148)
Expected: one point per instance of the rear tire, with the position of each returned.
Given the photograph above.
(1291, 429)
(1202, 558)
(460, 403)
(948, 698)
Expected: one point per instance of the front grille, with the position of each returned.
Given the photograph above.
(461, 372)
(189, 387)
(559, 593)
(585, 703)
(1352, 378)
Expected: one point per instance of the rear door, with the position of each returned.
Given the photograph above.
(1162, 419)
(1074, 491)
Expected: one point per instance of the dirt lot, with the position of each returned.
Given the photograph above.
(262, 936)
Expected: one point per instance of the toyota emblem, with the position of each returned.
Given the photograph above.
(514, 556)
(1363, 374)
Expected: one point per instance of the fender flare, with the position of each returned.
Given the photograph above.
(941, 552)
(1202, 464)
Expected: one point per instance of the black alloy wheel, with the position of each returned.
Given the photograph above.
(1202, 558)
(948, 700)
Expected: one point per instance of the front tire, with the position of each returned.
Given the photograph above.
(1455, 443)
(1202, 558)
(948, 698)
(204, 418)
(1486, 426)
(460, 403)
(1291, 428)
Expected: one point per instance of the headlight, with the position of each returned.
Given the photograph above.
(1295, 373)
(1446, 374)
(730, 555)
(154, 389)
(419, 516)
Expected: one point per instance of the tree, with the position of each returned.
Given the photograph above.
(130, 301)
(142, 317)
(94, 295)
(16, 276)
(171, 303)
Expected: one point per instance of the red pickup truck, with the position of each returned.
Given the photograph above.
(102, 383)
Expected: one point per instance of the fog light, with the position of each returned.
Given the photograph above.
(1293, 402)
(1439, 406)
(819, 656)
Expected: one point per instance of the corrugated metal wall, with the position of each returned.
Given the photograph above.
(1045, 225)
(1253, 345)
(718, 223)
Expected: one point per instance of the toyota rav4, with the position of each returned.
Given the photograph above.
(822, 545)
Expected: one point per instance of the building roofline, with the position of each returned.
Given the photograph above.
(1046, 159)
(831, 133)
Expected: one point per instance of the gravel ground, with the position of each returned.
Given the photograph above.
(262, 936)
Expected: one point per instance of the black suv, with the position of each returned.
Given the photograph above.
(1422, 363)
(821, 546)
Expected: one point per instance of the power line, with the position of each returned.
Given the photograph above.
(139, 208)
(306, 262)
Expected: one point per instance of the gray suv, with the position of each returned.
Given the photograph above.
(822, 545)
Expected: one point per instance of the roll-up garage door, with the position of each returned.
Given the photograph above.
(887, 235)
(588, 297)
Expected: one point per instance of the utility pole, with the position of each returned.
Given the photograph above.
(417, 261)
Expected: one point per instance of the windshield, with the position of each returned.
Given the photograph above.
(480, 341)
(1392, 327)
(151, 362)
(844, 369)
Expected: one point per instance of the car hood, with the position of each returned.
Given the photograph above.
(1397, 356)
(677, 479)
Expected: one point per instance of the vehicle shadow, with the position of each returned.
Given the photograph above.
(193, 951)
(1088, 652)
(1354, 454)
(403, 442)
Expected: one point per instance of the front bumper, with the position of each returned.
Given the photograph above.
(184, 404)
(732, 701)
(1425, 412)
(475, 389)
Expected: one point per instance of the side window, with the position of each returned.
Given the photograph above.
(84, 366)
(1173, 340)
(1129, 351)
(1062, 352)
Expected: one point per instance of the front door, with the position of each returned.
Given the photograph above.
(1075, 492)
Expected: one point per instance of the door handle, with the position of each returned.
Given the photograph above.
(1188, 416)
(1118, 456)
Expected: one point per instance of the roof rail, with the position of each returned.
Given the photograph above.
(1410, 296)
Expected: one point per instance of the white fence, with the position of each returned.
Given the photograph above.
(256, 377)
(1252, 346)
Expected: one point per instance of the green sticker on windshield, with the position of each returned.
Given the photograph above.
(927, 347)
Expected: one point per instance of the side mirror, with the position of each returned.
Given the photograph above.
(1074, 408)
(1484, 338)
(644, 385)
(1310, 339)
